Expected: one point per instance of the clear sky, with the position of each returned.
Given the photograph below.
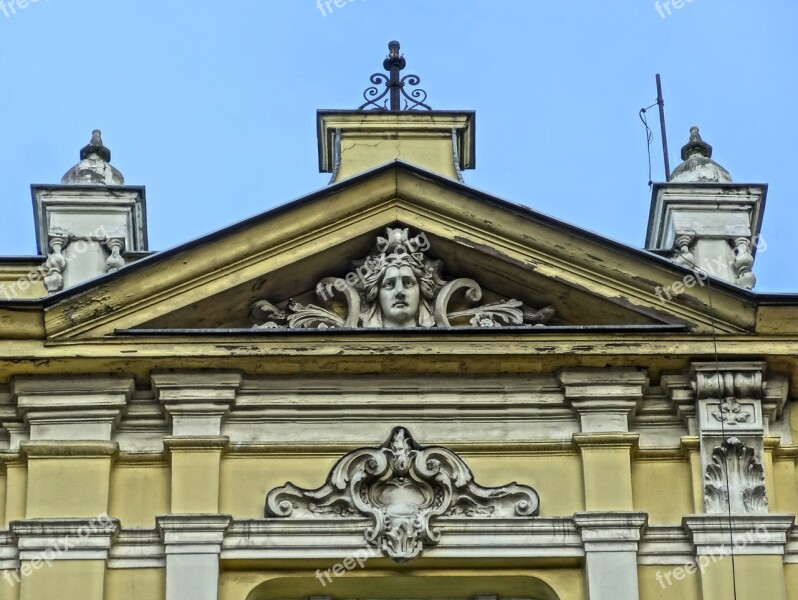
(212, 104)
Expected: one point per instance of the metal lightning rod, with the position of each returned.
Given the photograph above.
(661, 104)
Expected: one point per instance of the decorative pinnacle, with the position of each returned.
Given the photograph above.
(96, 146)
(394, 57)
(696, 145)
(394, 94)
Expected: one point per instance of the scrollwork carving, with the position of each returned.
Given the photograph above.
(396, 286)
(402, 487)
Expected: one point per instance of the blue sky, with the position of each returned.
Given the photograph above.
(212, 104)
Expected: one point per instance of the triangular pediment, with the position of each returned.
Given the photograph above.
(519, 259)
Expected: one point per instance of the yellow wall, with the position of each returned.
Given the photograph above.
(135, 584)
(654, 583)
(557, 478)
(758, 578)
(77, 487)
(65, 580)
(246, 480)
(663, 489)
(16, 491)
(791, 581)
(139, 492)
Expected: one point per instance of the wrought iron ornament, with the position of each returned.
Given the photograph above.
(394, 93)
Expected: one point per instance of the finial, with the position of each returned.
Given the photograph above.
(394, 86)
(698, 166)
(696, 145)
(393, 51)
(96, 147)
(94, 167)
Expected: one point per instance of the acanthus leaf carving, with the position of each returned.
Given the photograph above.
(735, 480)
(402, 488)
(731, 412)
(397, 285)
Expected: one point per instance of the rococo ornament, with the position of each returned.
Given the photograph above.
(402, 487)
(735, 481)
(397, 286)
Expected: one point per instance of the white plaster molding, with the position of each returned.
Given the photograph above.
(197, 402)
(679, 390)
(80, 408)
(268, 539)
(610, 531)
(9, 553)
(193, 533)
(665, 545)
(791, 549)
(403, 488)
(137, 549)
(605, 399)
(65, 539)
(192, 544)
(729, 396)
(749, 534)
(18, 434)
(774, 400)
(611, 542)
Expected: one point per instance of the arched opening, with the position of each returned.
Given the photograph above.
(405, 586)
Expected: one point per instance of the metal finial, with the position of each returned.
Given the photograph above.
(696, 145)
(391, 97)
(96, 146)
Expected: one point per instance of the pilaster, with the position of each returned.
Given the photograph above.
(63, 558)
(69, 454)
(197, 403)
(757, 542)
(192, 544)
(605, 400)
(732, 423)
(611, 541)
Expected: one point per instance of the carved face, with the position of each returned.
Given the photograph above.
(399, 297)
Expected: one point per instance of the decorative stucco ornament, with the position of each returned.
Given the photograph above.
(397, 286)
(698, 166)
(94, 167)
(402, 487)
(735, 481)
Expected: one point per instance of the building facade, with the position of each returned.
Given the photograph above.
(397, 387)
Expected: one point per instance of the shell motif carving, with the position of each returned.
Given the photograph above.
(402, 488)
(734, 481)
(397, 285)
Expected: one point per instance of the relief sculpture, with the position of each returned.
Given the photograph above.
(397, 286)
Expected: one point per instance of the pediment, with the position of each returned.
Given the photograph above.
(479, 262)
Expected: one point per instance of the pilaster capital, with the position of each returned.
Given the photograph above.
(611, 531)
(605, 399)
(197, 402)
(716, 534)
(193, 533)
(71, 408)
(65, 539)
(68, 449)
(606, 441)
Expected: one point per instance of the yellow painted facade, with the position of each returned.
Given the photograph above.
(160, 472)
